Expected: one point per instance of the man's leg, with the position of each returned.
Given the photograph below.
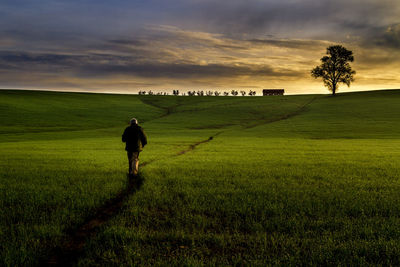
(135, 163)
(130, 161)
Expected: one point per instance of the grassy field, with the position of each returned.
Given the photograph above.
(286, 180)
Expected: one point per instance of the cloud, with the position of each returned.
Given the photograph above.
(109, 65)
(391, 37)
(292, 18)
(283, 19)
(166, 43)
(292, 43)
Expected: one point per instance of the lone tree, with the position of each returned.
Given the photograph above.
(335, 68)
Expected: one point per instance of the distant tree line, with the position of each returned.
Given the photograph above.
(200, 93)
(334, 69)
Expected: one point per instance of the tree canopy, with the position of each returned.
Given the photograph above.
(335, 68)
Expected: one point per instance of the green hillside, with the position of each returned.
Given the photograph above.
(286, 180)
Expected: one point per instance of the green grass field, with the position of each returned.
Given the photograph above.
(286, 180)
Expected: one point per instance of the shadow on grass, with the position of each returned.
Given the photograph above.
(134, 182)
(73, 247)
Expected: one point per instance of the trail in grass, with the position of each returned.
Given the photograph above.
(289, 115)
(193, 146)
(167, 110)
(73, 246)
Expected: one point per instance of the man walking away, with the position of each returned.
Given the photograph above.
(135, 140)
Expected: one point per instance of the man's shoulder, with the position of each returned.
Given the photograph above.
(133, 128)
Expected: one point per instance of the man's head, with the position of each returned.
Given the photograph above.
(134, 121)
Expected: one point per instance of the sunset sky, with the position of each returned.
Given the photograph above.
(123, 46)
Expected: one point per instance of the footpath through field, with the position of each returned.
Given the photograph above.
(73, 246)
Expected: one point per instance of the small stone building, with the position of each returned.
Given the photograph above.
(273, 92)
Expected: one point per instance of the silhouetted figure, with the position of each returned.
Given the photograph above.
(135, 140)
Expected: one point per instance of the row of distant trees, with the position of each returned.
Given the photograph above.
(200, 93)
(334, 69)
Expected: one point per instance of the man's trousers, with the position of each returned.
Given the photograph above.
(133, 157)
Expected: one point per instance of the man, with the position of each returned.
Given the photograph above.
(135, 140)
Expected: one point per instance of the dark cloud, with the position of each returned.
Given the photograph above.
(24, 58)
(62, 21)
(109, 65)
(284, 18)
(130, 42)
(294, 44)
(294, 18)
(390, 37)
(184, 71)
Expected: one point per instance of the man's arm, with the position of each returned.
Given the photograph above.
(124, 136)
(143, 138)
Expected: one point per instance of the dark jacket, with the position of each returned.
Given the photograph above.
(135, 138)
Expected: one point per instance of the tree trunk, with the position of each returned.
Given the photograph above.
(334, 89)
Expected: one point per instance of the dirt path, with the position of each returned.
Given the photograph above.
(72, 248)
(167, 110)
(193, 146)
(298, 111)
